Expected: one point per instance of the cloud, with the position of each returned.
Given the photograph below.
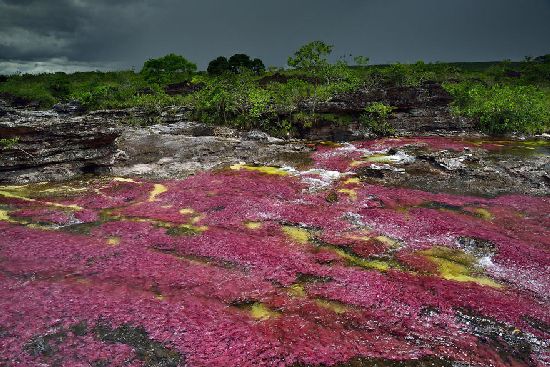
(8, 67)
(127, 32)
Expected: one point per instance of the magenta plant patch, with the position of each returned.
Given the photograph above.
(246, 268)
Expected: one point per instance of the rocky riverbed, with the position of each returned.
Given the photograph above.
(185, 244)
(208, 247)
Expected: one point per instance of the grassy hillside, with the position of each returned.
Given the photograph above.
(502, 96)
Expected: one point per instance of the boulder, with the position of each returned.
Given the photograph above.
(50, 147)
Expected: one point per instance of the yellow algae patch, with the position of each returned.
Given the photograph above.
(124, 179)
(11, 195)
(335, 306)
(113, 241)
(458, 266)
(351, 193)
(296, 290)
(263, 169)
(353, 180)
(158, 189)
(357, 163)
(484, 213)
(261, 312)
(197, 218)
(379, 158)
(4, 216)
(159, 297)
(297, 234)
(359, 261)
(187, 211)
(387, 241)
(253, 225)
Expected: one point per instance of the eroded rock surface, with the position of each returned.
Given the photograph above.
(180, 149)
(50, 147)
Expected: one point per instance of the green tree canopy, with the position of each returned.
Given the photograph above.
(311, 56)
(169, 68)
(236, 64)
(218, 66)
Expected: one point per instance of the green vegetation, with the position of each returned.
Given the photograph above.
(237, 63)
(375, 119)
(502, 108)
(503, 96)
(8, 143)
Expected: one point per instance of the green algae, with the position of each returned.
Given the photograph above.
(253, 225)
(158, 189)
(263, 169)
(256, 310)
(297, 234)
(334, 306)
(458, 266)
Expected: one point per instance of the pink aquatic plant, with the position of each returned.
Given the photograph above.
(244, 268)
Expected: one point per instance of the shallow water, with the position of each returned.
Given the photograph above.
(268, 266)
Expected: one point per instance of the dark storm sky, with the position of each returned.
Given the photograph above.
(47, 35)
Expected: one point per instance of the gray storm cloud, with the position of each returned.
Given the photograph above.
(88, 34)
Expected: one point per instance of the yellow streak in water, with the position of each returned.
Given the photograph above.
(351, 193)
(11, 195)
(263, 169)
(158, 189)
(253, 225)
(297, 234)
(261, 312)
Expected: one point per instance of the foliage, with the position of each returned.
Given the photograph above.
(237, 64)
(239, 92)
(218, 66)
(375, 118)
(8, 143)
(502, 108)
(168, 69)
(311, 57)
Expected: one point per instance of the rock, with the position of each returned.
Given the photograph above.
(72, 107)
(182, 88)
(52, 147)
(473, 171)
(171, 151)
(418, 110)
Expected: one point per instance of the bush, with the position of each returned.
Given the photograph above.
(375, 118)
(502, 108)
(171, 68)
(237, 64)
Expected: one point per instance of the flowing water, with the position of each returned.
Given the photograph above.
(275, 266)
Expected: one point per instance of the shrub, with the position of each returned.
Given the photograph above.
(237, 64)
(218, 66)
(502, 108)
(8, 143)
(375, 118)
(171, 68)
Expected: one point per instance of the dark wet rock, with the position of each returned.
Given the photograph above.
(51, 147)
(511, 344)
(177, 150)
(71, 107)
(477, 246)
(476, 172)
(151, 352)
(182, 88)
(418, 110)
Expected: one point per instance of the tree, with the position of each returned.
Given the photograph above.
(257, 66)
(236, 64)
(218, 66)
(169, 68)
(311, 57)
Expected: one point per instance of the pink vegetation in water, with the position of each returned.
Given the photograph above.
(243, 268)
